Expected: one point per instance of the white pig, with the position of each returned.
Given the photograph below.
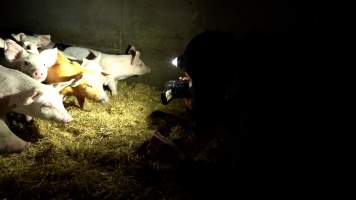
(36, 99)
(35, 41)
(31, 63)
(22, 94)
(9, 142)
(78, 53)
(93, 65)
(118, 66)
(1, 43)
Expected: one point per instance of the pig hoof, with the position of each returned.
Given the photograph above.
(16, 147)
(28, 118)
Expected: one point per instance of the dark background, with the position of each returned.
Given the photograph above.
(159, 28)
(278, 84)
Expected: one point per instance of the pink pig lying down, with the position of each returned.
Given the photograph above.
(22, 94)
(30, 62)
(118, 66)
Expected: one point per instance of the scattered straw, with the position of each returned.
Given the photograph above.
(91, 157)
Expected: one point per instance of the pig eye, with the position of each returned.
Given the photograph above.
(47, 105)
(28, 47)
(27, 63)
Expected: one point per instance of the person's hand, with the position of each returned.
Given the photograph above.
(187, 101)
(186, 78)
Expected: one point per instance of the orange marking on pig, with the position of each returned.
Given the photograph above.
(65, 70)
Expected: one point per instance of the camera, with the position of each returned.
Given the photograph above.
(175, 89)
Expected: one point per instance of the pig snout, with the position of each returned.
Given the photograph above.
(67, 119)
(104, 99)
(144, 70)
(64, 118)
(39, 75)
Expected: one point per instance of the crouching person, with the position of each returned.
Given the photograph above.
(210, 89)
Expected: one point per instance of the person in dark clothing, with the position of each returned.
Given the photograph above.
(210, 63)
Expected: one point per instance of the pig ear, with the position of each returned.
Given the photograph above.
(77, 80)
(19, 37)
(130, 49)
(27, 97)
(105, 73)
(97, 58)
(135, 58)
(49, 56)
(91, 56)
(33, 94)
(61, 85)
(12, 51)
(45, 40)
(84, 61)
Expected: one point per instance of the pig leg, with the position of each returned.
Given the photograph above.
(81, 101)
(28, 118)
(9, 142)
(113, 87)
